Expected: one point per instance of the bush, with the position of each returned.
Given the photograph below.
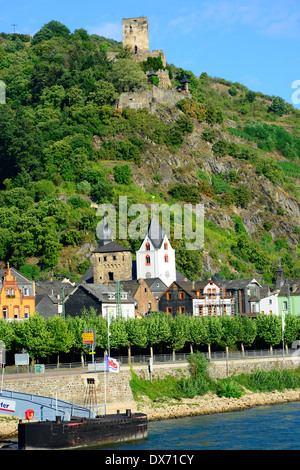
(189, 388)
(185, 192)
(122, 174)
(229, 389)
(102, 192)
(197, 364)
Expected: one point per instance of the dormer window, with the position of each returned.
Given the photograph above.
(166, 259)
(165, 246)
(148, 260)
(147, 246)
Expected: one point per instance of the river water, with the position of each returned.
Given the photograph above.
(272, 427)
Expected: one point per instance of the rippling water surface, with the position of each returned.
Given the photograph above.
(273, 427)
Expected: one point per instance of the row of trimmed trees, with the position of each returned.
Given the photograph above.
(42, 338)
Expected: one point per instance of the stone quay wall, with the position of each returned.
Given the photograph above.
(75, 387)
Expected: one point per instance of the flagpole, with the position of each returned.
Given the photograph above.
(104, 382)
(282, 324)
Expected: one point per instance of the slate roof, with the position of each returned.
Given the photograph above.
(101, 292)
(236, 283)
(291, 287)
(111, 247)
(46, 287)
(155, 232)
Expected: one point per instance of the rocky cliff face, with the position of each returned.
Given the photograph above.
(271, 210)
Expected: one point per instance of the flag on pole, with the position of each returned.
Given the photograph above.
(112, 365)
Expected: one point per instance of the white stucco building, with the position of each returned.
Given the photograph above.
(269, 304)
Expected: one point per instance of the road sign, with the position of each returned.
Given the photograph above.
(88, 337)
(39, 368)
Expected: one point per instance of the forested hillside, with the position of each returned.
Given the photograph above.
(64, 145)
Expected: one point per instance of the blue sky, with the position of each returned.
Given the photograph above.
(255, 42)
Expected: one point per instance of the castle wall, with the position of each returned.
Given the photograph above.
(117, 263)
(150, 98)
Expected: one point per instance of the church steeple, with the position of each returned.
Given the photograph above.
(104, 233)
(279, 277)
(156, 257)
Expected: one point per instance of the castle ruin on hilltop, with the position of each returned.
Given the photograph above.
(136, 38)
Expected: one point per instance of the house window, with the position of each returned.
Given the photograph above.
(181, 295)
(200, 309)
(16, 312)
(165, 246)
(181, 310)
(270, 301)
(26, 312)
(147, 246)
(104, 258)
(111, 276)
(25, 291)
(148, 260)
(169, 295)
(5, 313)
(168, 310)
(166, 259)
(114, 257)
(284, 305)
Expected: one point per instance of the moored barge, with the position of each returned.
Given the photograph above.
(82, 432)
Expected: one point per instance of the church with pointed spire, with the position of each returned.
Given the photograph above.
(156, 257)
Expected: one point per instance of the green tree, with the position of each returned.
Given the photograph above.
(196, 331)
(213, 331)
(136, 333)
(230, 331)
(179, 333)
(34, 336)
(104, 93)
(6, 333)
(247, 331)
(291, 329)
(126, 75)
(50, 30)
(269, 329)
(76, 326)
(158, 329)
(118, 333)
(62, 339)
(122, 174)
(278, 106)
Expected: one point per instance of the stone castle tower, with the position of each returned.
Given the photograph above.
(135, 34)
(111, 261)
(136, 37)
